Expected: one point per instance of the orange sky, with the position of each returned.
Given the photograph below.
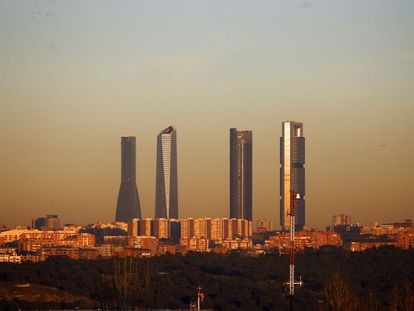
(75, 81)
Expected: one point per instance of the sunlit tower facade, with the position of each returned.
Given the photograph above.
(292, 173)
(241, 185)
(166, 193)
(128, 205)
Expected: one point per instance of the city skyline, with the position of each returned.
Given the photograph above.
(128, 170)
(129, 178)
(76, 79)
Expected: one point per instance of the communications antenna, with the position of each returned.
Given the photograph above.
(292, 282)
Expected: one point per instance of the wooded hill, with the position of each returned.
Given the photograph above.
(378, 279)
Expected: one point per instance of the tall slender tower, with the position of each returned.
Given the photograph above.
(128, 206)
(166, 193)
(292, 173)
(241, 174)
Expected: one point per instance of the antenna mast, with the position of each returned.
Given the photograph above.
(292, 283)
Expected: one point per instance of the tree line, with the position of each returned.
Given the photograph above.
(335, 280)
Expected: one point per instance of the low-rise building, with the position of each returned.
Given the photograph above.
(194, 244)
(236, 243)
(13, 235)
(341, 220)
(162, 228)
(145, 227)
(137, 252)
(166, 248)
(71, 252)
(8, 250)
(35, 241)
(10, 258)
(116, 240)
(144, 242)
(264, 225)
(304, 239)
(187, 228)
(406, 240)
(359, 246)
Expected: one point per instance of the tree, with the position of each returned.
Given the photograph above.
(338, 295)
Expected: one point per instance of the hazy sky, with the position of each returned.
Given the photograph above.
(75, 76)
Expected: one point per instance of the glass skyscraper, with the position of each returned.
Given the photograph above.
(128, 206)
(241, 174)
(292, 173)
(166, 193)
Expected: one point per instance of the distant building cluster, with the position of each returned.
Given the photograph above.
(141, 237)
(350, 237)
(193, 234)
(25, 244)
(292, 180)
(153, 237)
(133, 235)
(356, 237)
(186, 228)
(34, 241)
(304, 239)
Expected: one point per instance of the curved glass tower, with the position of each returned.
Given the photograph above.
(128, 206)
(166, 193)
(292, 173)
(241, 154)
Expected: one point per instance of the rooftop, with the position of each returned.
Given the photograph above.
(168, 130)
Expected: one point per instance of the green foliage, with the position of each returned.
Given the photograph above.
(372, 280)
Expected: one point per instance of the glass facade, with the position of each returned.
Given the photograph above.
(128, 205)
(292, 173)
(166, 193)
(241, 174)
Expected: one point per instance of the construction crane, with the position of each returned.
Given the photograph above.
(292, 282)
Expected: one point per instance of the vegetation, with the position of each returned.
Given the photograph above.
(378, 279)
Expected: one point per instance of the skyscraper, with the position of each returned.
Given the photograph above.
(166, 193)
(128, 206)
(292, 173)
(241, 174)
